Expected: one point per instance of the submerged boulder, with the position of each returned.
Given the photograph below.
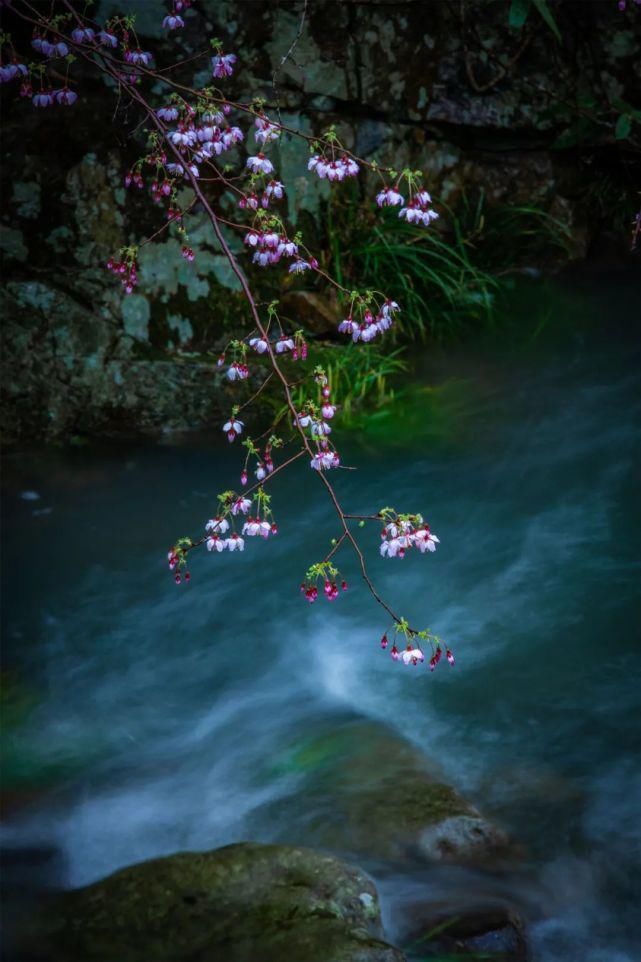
(369, 793)
(242, 903)
(491, 930)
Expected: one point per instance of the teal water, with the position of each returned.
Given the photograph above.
(148, 718)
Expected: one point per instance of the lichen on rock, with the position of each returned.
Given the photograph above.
(242, 903)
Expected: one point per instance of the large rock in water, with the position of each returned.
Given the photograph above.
(368, 793)
(242, 903)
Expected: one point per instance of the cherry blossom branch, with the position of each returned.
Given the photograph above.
(364, 517)
(324, 142)
(281, 467)
(272, 357)
(335, 548)
(332, 160)
(245, 404)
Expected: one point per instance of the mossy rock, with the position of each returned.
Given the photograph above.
(369, 793)
(242, 903)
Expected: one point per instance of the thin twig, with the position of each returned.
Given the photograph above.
(284, 59)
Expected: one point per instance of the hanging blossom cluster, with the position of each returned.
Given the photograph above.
(404, 531)
(313, 420)
(205, 152)
(410, 652)
(328, 575)
(368, 325)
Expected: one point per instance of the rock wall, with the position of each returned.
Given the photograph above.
(448, 86)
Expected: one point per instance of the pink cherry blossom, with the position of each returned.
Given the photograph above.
(325, 460)
(248, 200)
(368, 332)
(83, 35)
(320, 429)
(258, 344)
(240, 506)
(265, 257)
(351, 167)
(206, 133)
(317, 164)
(138, 57)
(284, 344)
(43, 99)
(335, 169)
(389, 197)
(425, 540)
(274, 189)
(418, 211)
(13, 70)
(218, 525)
(390, 548)
(107, 38)
(287, 247)
(237, 371)
(257, 528)
(216, 543)
(65, 96)
(251, 528)
(59, 49)
(299, 267)
(265, 131)
(233, 135)
(183, 136)
(235, 542)
(173, 22)
(260, 164)
(232, 428)
(223, 65)
(412, 656)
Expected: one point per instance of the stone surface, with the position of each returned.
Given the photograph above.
(368, 793)
(461, 838)
(493, 931)
(241, 903)
(68, 373)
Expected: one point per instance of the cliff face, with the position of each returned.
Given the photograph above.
(516, 116)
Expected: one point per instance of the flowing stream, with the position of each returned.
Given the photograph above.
(146, 718)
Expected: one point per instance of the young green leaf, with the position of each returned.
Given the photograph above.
(518, 13)
(623, 127)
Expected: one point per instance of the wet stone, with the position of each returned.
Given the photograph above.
(242, 903)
